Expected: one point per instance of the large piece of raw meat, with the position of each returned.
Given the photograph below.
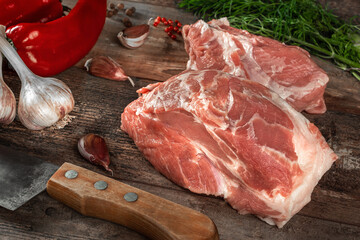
(287, 70)
(218, 134)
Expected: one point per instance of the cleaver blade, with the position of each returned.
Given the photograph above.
(22, 177)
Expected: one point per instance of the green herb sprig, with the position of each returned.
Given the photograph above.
(298, 22)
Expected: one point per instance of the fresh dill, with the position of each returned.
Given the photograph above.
(298, 22)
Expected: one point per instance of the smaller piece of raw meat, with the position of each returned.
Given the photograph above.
(287, 70)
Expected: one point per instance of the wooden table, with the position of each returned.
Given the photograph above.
(333, 213)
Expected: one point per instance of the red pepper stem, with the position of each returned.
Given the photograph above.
(12, 56)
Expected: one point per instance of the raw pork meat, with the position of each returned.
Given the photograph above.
(287, 70)
(214, 133)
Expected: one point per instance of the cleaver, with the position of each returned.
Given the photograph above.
(23, 177)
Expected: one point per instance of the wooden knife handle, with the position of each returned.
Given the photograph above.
(153, 216)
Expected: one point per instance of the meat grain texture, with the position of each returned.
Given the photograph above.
(287, 70)
(218, 134)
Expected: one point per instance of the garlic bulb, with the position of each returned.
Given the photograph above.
(7, 100)
(43, 101)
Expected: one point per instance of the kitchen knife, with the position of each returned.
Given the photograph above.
(23, 177)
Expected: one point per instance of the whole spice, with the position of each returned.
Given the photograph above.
(127, 22)
(130, 11)
(42, 101)
(106, 67)
(120, 6)
(172, 29)
(7, 100)
(157, 21)
(134, 37)
(299, 22)
(93, 148)
(50, 48)
(115, 11)
(109, 13)
(20, 11)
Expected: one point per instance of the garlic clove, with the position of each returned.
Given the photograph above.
(93, 148)
(137, 31)
(134, 37)
(7, 100)
(106, 67)
(42, 101)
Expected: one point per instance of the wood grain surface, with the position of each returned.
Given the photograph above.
(333, 213)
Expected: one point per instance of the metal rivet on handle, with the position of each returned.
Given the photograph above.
(71, 174)
(100, 185)
(131, 197)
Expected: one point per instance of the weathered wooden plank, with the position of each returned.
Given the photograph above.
(11, 231)
(159, 58)
(332, 214)
(342, 93)
(164, 3)
(333, 206)
(344, 9)
(342, 133)
(47, 218)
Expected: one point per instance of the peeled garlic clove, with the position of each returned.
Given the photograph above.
(43, 101)
(93, 148)
(106, 67)
(7, 100)
(134, 37)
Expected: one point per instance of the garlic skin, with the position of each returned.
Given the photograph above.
(7, 100)
(106, 67)
(94, 149)
(42, 101)
(132, 43)
(134, 37)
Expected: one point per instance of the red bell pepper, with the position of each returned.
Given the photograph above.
(50, 48)
(19, 11)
